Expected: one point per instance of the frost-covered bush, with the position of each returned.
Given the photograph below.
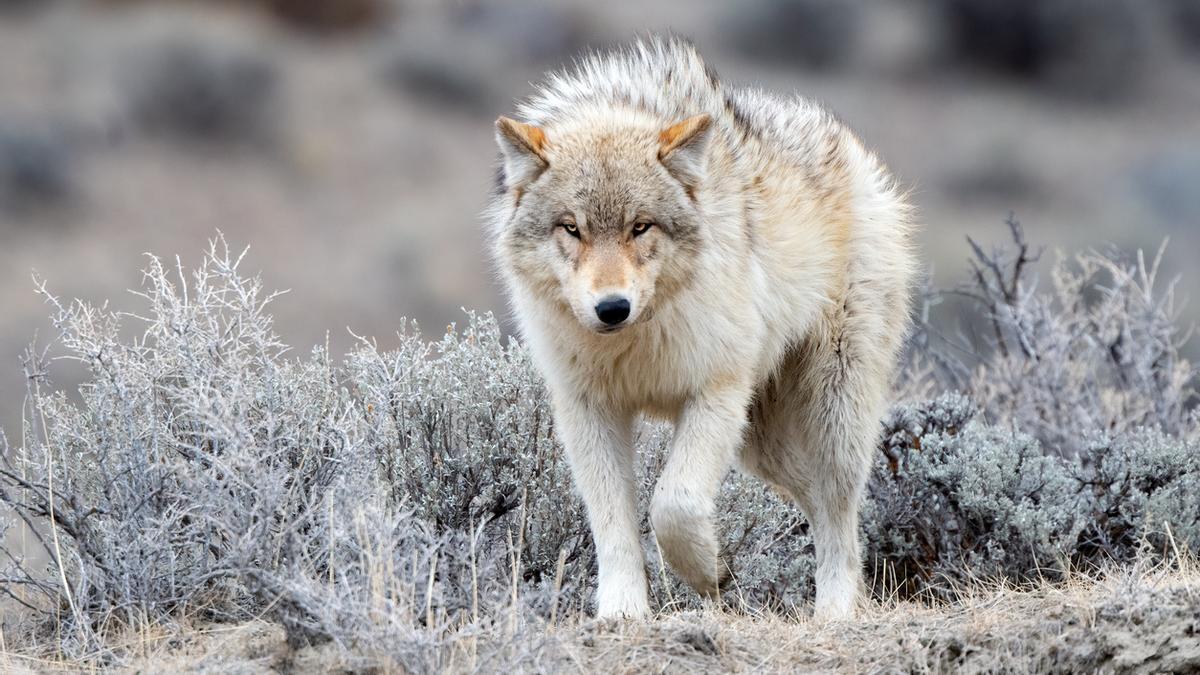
(204, 468)
(767, 544)
(956, 499)
(397, 501)
(195, 452)
(1098, 352)
(1143, 489)
(461, 432)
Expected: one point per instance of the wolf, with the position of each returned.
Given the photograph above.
(732, 261)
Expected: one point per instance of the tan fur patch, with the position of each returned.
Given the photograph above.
(526, 134)
(837, 203)
(609, 270)
(678, 134)
(727, 381)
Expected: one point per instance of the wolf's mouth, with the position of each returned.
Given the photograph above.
(609, 330)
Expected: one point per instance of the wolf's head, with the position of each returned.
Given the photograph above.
(600, 214)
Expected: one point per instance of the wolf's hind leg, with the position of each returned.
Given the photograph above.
(833, 505)
(707, 435)
(814, 428)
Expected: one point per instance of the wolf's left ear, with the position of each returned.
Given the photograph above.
(683, 148)
(524, 149)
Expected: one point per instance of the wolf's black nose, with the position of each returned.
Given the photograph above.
(612, 310)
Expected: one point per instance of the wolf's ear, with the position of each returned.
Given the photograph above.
(524, 150)
(683, 148)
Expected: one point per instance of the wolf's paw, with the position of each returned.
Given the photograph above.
(835, 606)
(624, 614)
(833, 613)
(622, 604)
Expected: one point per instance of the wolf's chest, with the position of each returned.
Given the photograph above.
(656, 371)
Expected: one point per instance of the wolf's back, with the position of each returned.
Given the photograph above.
(662, 76)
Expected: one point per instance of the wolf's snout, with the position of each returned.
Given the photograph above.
(612, 310)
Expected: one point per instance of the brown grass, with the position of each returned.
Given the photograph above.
(1134, 619)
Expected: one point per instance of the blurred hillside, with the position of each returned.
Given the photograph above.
(350, 144)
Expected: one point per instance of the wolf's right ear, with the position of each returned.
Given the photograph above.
(683, 149)
(524, 149)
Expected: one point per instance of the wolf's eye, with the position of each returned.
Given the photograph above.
(571, 228)
(640, 228)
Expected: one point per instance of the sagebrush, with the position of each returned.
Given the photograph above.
(401, 499)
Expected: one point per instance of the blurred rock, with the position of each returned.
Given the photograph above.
(328, 16)
(449, 81)
(1002, 35)
(811, 33)
(1184, 18)
(998, 181)
(10, 8)
(35, 172)
(204, 93)
(1089, 48)
(1169, 185)
(536, 34)
(319, 16)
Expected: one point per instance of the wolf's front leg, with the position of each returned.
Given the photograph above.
(600, 451)
(707, 435)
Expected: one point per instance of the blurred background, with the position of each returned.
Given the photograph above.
(349, 142)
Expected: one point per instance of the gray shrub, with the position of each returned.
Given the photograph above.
(1142, 492)
(396, 502)
(1098, 351)
(957, 500)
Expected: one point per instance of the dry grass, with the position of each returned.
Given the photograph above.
(1138, 618)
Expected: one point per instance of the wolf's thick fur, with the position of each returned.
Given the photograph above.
(763, 257)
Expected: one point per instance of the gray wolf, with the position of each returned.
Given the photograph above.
(730, 260)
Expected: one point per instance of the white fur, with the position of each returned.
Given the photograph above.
(775, 354)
